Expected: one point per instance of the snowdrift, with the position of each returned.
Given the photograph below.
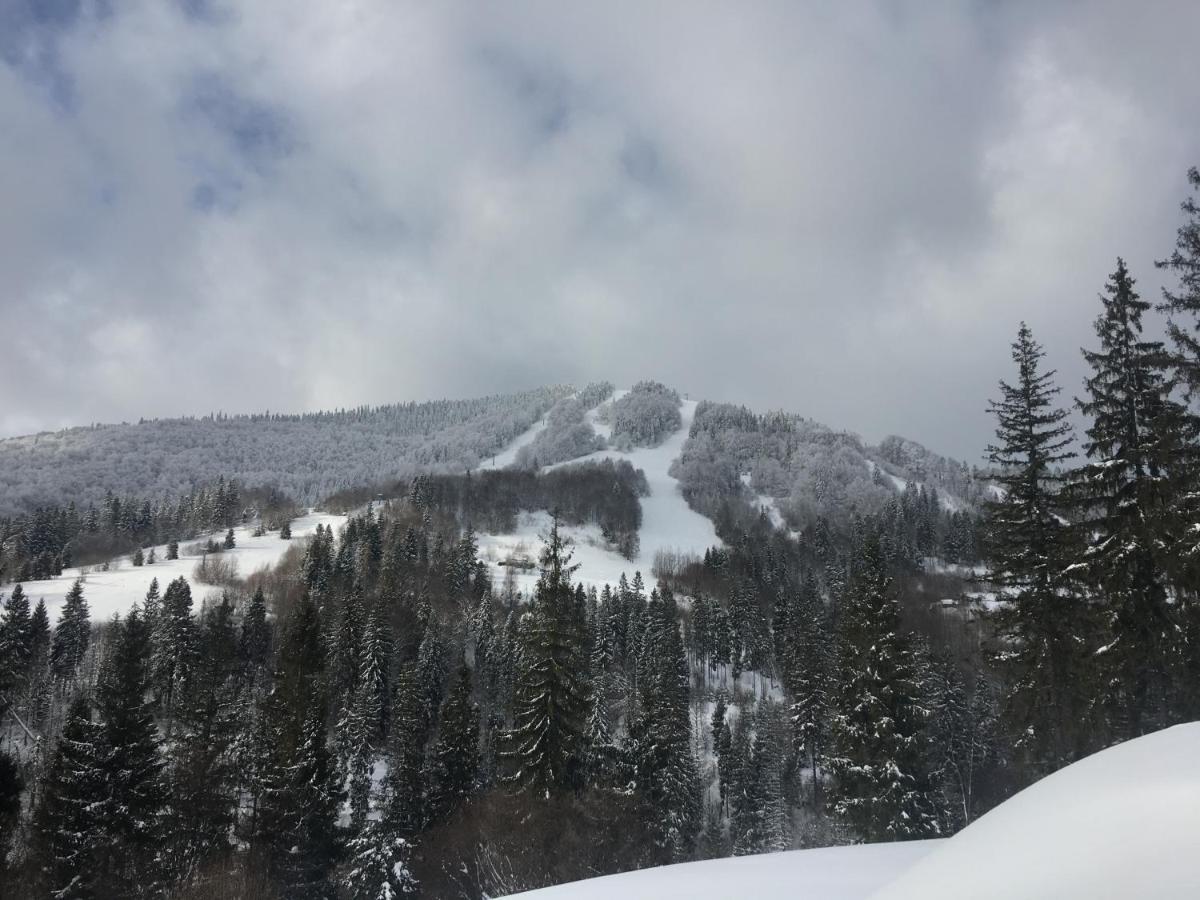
(1122, 823)
(832, 873)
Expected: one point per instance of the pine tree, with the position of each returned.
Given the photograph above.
(546, 746)
(173, 549)
(285, 531)
(69, 825)
(72, 634)
(1141, 447)
(1030, 548)
(139, 557)
(230, 542)
(881, 790)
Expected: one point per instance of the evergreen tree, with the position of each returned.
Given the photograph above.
(16, 643)
(1184, 301)
(378, 866)
(881, 790)
(131, 765)
(173, 549)
(1141, 447)
(547, 743)
(1029, 548)
(456, 757)
(255, 644)
(230, 542)
(11, 787)
(69, 824)
(661, 735)
(300, 814)
(173, 646)
(72, 634)
(203, 766)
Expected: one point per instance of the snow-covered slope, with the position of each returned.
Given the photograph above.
(1122, 823)
(834, 873)
(114, 591)
(668, 523)
(1119, 825)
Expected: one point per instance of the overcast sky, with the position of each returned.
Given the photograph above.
(842, 210)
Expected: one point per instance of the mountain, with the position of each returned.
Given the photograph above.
(808, 468)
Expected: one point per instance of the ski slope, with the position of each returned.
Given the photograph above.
(115, 591)
(668, 523)
(832, 873)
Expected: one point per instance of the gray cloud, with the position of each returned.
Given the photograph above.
(841, 211)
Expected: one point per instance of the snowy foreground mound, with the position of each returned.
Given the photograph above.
(1120, 824)
(832, 873)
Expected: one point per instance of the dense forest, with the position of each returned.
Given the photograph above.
(378, 719)
(307, 457)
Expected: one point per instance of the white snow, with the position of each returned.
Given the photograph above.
(832, 873)
(598, 564)
(668, 523)
(116, 590)
(1120, 824)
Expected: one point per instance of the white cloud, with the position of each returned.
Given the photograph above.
(824, 209)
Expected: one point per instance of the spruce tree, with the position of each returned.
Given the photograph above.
(72, 634)
(69, 824)
(1183, 302)
(173, 549)
(300, 813)
(660, 735)
(173, 646)
(203, 766)
(881, 789)
(456, 756)
(132, 766)
(378, 867)
(1030, 547)
(1141, 451)
(546, 747)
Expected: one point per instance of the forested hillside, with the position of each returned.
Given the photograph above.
(306, 456)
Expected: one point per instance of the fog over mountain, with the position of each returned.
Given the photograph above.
(839, 211)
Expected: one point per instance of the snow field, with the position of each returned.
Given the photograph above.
(115, 591)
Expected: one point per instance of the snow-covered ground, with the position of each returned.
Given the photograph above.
(668, 523)
(114, 591)
(833, 873)
(1120, 824)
